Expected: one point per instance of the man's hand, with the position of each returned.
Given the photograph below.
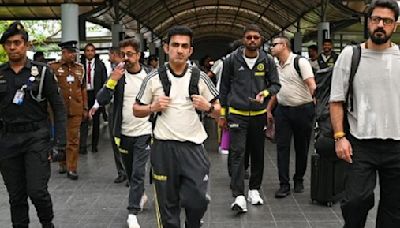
(201, 103)
(344, 150)
(91, 113)
(260, 97)
(117, 73)
(85, 114)
(160, 104)
(222, 123)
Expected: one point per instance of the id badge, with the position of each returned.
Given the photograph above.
(70, 79)
(19, 97)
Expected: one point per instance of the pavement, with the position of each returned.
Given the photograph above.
(94, 201)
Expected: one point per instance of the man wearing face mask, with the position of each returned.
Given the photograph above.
(371, 143)
(132, 134)
(71, 80)
(249, 76)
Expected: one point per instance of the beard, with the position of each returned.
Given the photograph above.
(379, 38)
(252, 47)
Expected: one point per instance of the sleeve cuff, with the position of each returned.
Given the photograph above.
(96, 105)
(111, 84)
(265, 93)
(223, 112)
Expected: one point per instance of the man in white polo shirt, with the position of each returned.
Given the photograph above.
(294, 114)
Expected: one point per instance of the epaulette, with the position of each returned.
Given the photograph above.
(53, 62)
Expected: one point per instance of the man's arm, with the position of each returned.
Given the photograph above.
(272, 79)
(312, 86)
(342, 145)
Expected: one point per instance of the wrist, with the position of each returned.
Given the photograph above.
(339, 135)
(210, 109)
(150, 109)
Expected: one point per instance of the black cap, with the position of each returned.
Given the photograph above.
(70, 45)
(14, 29)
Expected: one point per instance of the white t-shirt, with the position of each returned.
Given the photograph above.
(131, 125)
(179, 121)
(294, 91)
(376, 92)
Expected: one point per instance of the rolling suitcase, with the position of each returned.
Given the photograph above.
(327, 179)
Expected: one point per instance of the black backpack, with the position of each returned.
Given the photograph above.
(324, 133)
(166, 84)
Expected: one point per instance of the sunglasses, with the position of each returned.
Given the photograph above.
(128, 54)
(274, 44)
(386, 20)
(253, 37)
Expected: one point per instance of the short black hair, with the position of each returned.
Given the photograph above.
(252, 28)
(313, 47)
(114, 50)
(130, 43)
(389, 4)
(37, 55)
(327, 41)
(89, 45)
(179, 30)
(152, 57)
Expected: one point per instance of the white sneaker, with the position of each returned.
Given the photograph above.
(143, 201)
(240, 205)
(224, 152)
(132, 221)
(254, 197)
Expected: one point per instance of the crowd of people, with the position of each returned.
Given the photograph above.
(247, 90)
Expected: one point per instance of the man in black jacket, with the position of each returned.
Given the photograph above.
(132, 134)
(96, 76)
(249, 76)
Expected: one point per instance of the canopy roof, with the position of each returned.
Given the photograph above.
(207, 18)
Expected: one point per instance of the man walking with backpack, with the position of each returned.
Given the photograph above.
(178, 158)
(132, 134)
(294, 113)
(371, 142)
(249, 76)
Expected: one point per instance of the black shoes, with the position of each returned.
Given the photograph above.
(282, 192)
(62, 169)
(120, 179)
(298, 187)
(95, 150)
(73, 175)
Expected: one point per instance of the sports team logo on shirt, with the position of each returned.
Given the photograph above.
(260, 67)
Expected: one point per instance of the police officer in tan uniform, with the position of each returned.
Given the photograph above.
(71, 80)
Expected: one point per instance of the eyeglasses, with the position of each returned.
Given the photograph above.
(386, 20)
(128, 54)
(253, 37)
(274, 44)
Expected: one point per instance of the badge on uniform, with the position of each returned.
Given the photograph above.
(19, 95)
(34, 71)
(70, 79)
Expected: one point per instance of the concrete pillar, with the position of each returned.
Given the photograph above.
(152, 48)
(323, 33)
(297, 43)
(142, 42)
(117, 34)
(69, 22)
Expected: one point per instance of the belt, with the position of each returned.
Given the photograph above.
(246, 112)
(23, 127)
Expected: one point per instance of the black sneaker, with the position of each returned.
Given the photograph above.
(298, 187)
(282, 192)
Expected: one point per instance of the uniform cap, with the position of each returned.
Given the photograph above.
(15, 28)
(70, 45)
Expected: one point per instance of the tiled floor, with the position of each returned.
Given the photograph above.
(95, 201)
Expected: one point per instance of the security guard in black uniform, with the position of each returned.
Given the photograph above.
(26, 88)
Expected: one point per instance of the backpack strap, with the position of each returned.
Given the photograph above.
(296, 65)
(355, 61)
(166, 83)
(194, 82)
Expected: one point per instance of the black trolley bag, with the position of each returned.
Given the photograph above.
(327, 171)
